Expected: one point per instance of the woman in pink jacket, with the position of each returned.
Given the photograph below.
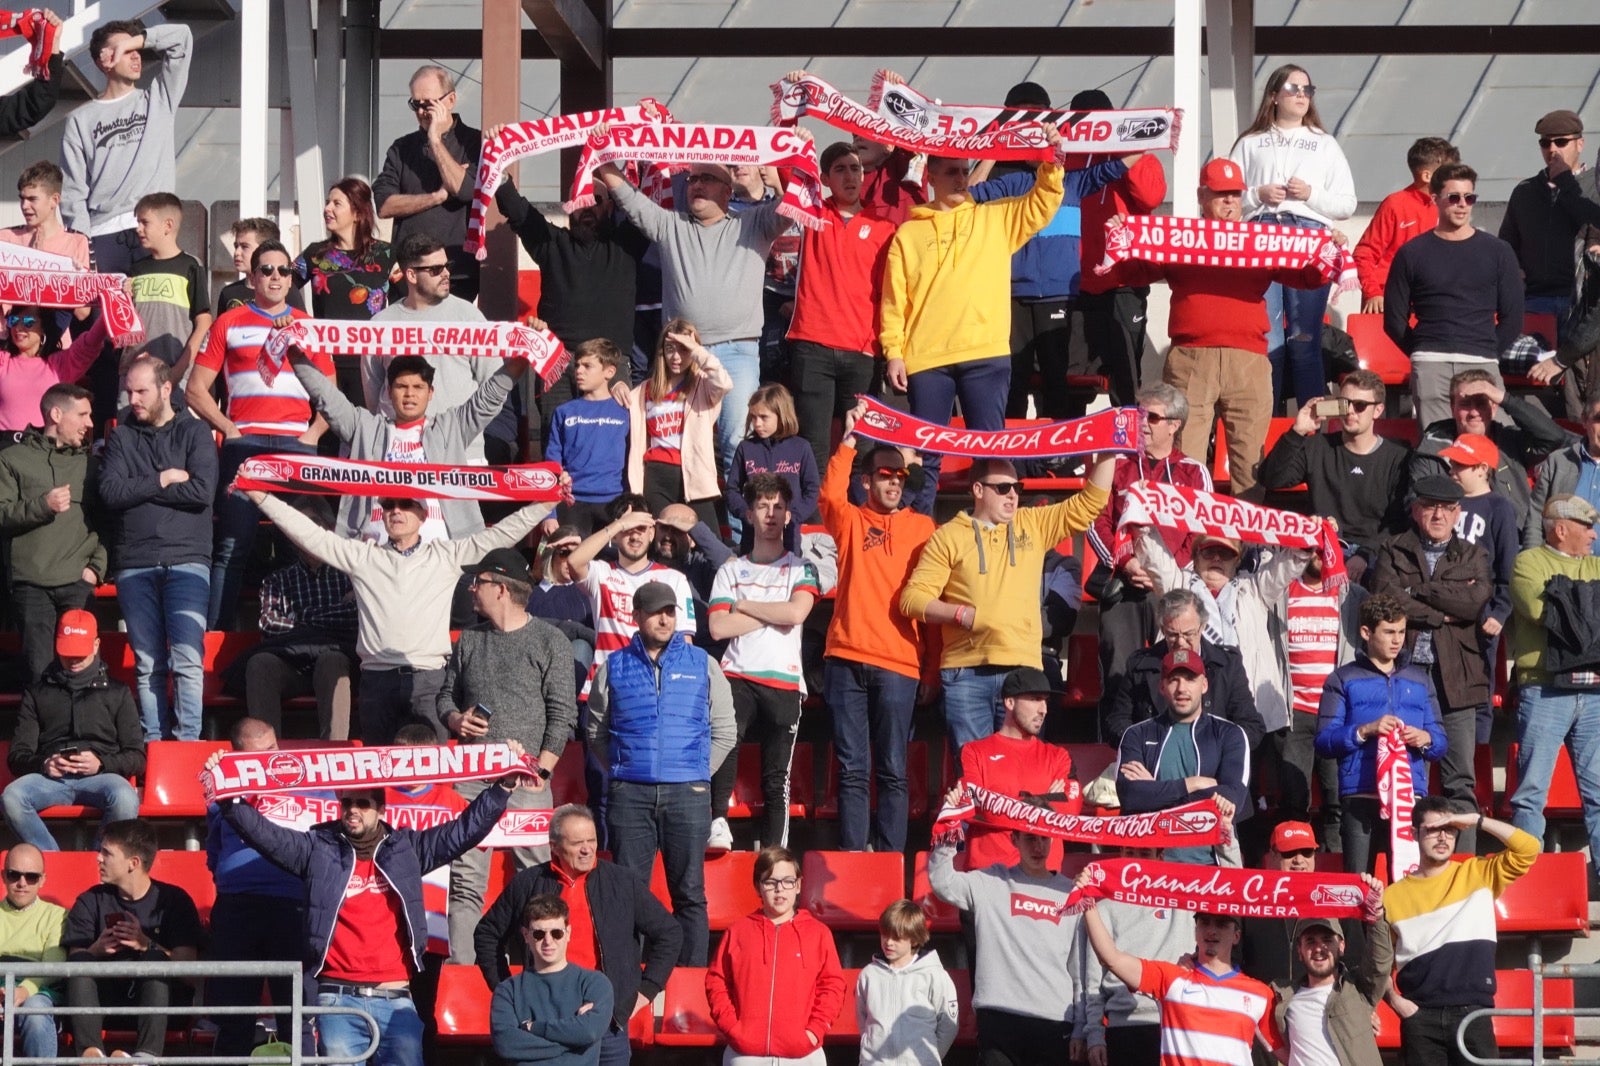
(672, 424)
(30, 362)
(776, 987)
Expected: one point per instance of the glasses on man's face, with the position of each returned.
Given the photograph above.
(1001, 488)
(898, 473)
(1181, 636)
(708, 179)
(417, 105)
(25, 321)
(1360, 406)
(538, 935)
(1155, 419)
(1456, 199)
(268, 271)
(1555, 142)
(1307, 91)
(1444, 829)
(359, 803)
(433, 270)
(480, 582)
(1436, 506)
(780, 884)
(27, 877)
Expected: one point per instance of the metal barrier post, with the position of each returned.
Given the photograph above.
(7, 1050)
(1536, 964)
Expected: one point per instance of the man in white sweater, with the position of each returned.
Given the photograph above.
(403, 590)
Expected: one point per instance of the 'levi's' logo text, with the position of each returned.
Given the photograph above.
(1028, 907)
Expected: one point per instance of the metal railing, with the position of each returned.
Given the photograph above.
(1538, 1011)
(15, 971)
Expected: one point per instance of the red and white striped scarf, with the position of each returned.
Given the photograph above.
(245, 773)
(1226, 890)
(689, 143)
(1229, 245)
(1192, 824)
(31, 25)
(319, 476)
(484, 340)
(519, 140)
(515, 829)
(1154, 503)
(1114, 430)
(1397, 797)
(35, 287)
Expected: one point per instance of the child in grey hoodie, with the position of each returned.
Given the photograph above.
(906, 1006)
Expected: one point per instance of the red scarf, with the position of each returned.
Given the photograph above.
(680, 142)
(519, 140)
(1397, 796)
(1229, 245)
(480, 340)
(29, 286)
(1192, 824)
(1225, 890)
(31, 25)
(319, 476)
(1154, 503)
(1115, 430)
(515, 829)
(245, 773)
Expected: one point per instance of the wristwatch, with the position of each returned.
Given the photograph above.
(544, 775)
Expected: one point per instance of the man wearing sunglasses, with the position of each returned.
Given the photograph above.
(554, 1012)
(30, 928)
(426, 181)
(1463, 287)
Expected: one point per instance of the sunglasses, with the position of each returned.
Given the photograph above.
(705, 177)
(1155, 419)
(394, 505)
(279, 271)
(1360, 406)
(479, 582)
(899, 473)
(433, 270)
(360, 803)
(538, 935)
(417, 105)
(1456, 199)
(1558, 142)
(25, 321)
(25, 876)
(1001, 488)
(1299, 853)
(1307, 91)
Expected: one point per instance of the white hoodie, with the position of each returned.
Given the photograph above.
(907, 1017)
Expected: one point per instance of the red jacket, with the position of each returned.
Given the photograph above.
(770, 983)
(1215, 307)
(1006, 764)
(1139, 192)
(1176, 469)
(886, 192)
(837, 291)
(1402, 215)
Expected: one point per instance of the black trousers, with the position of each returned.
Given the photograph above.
(150, 993)
(825, 382)
(1428, 1037)
(1007, 1039)
(388, 697)
(1133, 1045)
(38, 610)
(663, 484)
(246, 927)
(1041, 339)
(1114, 326)
(774, 716)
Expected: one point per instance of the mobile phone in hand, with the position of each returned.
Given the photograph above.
(483, 711)
(117, 918)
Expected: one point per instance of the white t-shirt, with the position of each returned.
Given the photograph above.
(611, 590)
(1308, 1028)
(405, 446)
(769, 655)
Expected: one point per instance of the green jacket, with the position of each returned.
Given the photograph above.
(49, 549)
(1531, 572)
(1355, 996)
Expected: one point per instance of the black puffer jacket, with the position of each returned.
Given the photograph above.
(88, 708)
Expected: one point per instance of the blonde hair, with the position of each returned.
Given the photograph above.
(659, 383)
(779, 401)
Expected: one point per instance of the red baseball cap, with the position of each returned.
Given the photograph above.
(1473, 449)
(1222, 175)
(75, 635)
(1293, 836)
(1182, 660)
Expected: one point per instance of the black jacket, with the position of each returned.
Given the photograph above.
(1533, 436)
(1572, 623)
(1541, 224)
(31, 103)
(159, 526)
(623, 910)
(1136, 695)
(1459, 587)
(1221, 752)
(91, 709)
(409, 169)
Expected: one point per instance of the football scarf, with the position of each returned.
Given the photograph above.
(245, 773)
(1115, 430)
(515, 829)
(482, 340)
(23, 282)
(31, 25)
(320, 476)
(1227, 245)
(1225, 890)
(1192, 824)
(1397, 795)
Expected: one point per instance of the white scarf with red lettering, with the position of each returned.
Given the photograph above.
(482, 340)
(1397, 796)
(245, 773)
(1228, 245)
(31, 25)
(1098, 132)
(519, 140)
(31, 278)
(1226, 890)
(729, 146)
(327, 476)
(1154, 503)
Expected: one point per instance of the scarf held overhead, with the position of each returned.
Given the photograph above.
(682, 142)
(480, 340)
(1102, 132)
(1153, 503)
(1196, 823)
(1115, 430)
(811, 97)
(1397, 796)
(22, 284)
(245, 773)
(31, 25)
(1229, 245)
(519, 140)
(319, 476)
(1225, 890)
(515, 829)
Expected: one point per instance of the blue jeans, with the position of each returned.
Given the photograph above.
(237, 522)
(871, 728)
(615, 1050)
(1299, 354)
(742, 360)
(674, 819)
(346, 1036)
(1550, 305)
(972, 707)
(165, 609)
(1546, 719)
(38, 1031)
(981, 384)
(25, 797)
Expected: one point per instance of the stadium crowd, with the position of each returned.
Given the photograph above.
(728, 505)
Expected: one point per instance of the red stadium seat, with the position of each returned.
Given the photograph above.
(1553, 897)
(686, 1016)
(566, 781)
(1562, 801)
(916, 783)
(730, 888)
(747, 801)
(1541, 323)
(1376, 351)
(1083, 670)
(172, 777)
(849, 890)
(967, 1025)
(68, 874)
(462, 1007)
(187, 870)
(846, 1029)
(942, 917)
(220, 652)
(1515, 990)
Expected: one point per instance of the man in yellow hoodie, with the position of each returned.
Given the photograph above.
(978, 579)
(946, 305)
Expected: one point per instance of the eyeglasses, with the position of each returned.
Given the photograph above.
(1001, 488)
(25, 321)
(417, 105)
(393, 505)
(1360, 406)
(538, 935)
(1182, 636)
(1456, 199)
(705, 177)
(433, 270)
(1436, 506)
(899, 473)
(479, 582)
(1155, 419)
(1307, 91)
(279, 271)
(1558, 142)
(27, 877)
(780, 884)
(1438, 830)
(360, 803)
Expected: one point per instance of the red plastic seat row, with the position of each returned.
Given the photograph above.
(68, 874)
(1553, 897)
(1514, 991)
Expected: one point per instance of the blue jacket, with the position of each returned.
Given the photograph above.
(1049, 265)
(159, 526)
(659, 713)
(1358, 693)
(791, 458)
(1222, 750)
(324, 859)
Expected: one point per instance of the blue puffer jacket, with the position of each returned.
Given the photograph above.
(324, 859)
(1049, 265)
(660, 713)
(1358, 693)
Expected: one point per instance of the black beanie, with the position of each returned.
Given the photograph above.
(1091, 100)
(1027, 94)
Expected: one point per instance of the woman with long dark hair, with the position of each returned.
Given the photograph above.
(31, 361)
(1297, 176)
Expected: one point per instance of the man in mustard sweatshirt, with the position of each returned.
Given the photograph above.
(978, 579)
(946, 305)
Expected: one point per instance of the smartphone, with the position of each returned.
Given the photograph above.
(1331, 408)
(71, 751)
(483, 711)
(117, 918)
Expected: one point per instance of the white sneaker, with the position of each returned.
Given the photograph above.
(721, 838)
